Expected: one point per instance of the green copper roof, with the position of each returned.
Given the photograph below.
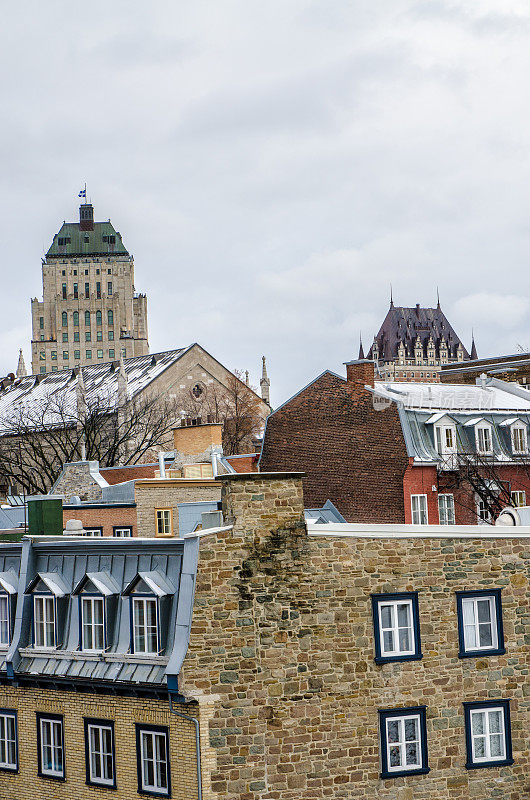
(72, 241)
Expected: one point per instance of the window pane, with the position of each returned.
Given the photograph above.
(485, 635)
(497, 746)
(483, 610)
(477, 723)
(403, 610)
(393, 730)
(495, 721)
(395, 756)
(404, 640)
(386, 616)
(411, 754)
(468, 612)
(411, 729)
(479, 747)
(388, 641)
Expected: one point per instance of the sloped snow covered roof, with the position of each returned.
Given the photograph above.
(101, 383)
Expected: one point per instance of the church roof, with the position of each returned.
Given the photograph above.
(71, 240)
(406, 325)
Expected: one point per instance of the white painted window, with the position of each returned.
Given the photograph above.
(8, 740)
(154, 761)
(484, 516)
(445, 436)
(396, 628)
(44, 620)
(93, 532)
(419, 509)
(488, 741)
(483, 439)
(518, 498)
(479, 619)
(403, 742)
(145, 623)
(519, 439)
(5, 627)
(100, 754)
(122, 533)
(51, 747)
(446, 509)
(93, 623)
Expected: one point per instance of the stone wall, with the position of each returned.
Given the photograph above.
(80, 478)
(168, 493)
(282, 633)
(124, 712)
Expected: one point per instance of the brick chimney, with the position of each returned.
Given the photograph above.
(194, 440)
(359, 374)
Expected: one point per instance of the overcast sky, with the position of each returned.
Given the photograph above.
(274, 165)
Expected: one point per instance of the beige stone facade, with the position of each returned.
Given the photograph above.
(153, 495)
(90, 312)
(283, 633)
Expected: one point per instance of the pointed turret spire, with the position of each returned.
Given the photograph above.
(391, 297)
(246, 378)
(265, 383)
(361, 350)
(21, 368)
(473, 355)
(438, 298)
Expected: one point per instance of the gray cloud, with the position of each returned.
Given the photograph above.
(275, 166)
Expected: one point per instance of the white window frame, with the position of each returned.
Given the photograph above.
(56, 744)
(8, 740)
(518, 498)
(418, 512)
(155, 736)
(485, 712)
(93, 532)
(93, 601)
(48, 602)
(401, 743)
(472, 602)
(484, 516)
(519, 447)
(97, 756)
(440, 437)
(446, 509)
(5, 620)
(485, 429)
(143, 601)
(122, 533)
(395, 628)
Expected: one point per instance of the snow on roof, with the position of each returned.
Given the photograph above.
(437, 397)
(101, 383)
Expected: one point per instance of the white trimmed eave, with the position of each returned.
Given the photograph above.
(359, 530)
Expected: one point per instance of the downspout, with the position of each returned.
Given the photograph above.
(195, 721)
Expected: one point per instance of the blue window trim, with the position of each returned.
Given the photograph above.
(107, 723)
(80, 615)
(131, 620)
(11, 712)
(152, 729)
(381, 598)
(55, 718)
(468, 707)
(384, 713)
(494, 651)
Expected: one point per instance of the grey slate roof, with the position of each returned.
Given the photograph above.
(110, 567)
(328, 513)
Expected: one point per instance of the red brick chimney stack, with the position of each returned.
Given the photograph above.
(359, 374)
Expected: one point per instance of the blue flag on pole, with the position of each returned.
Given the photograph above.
(82, 193)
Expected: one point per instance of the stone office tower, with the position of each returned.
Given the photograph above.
(89, 312)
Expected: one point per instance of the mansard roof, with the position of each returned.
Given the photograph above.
(103, 240)
(408, 325)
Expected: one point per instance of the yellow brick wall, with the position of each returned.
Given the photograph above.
(150, 495)
(125, 712)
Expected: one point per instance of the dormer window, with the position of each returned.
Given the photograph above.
(5, 627)
(145, 624)
(483, 439)
(92, 623)
(519, 438)
(445, 437)
(44, 620)
(149, 598)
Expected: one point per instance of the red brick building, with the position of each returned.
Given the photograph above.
(415, 453)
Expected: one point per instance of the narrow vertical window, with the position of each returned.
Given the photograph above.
(98, 290)
(153, 759)
(98, 317)
(50, 746)
(109, 288)
(76, 319)
(446, 509)
(76, 293)
(519, 441)
(44, 620)
(145, 625)
(110, 317)
(8, 740)
(41, 323)
(163, 522)
(99, 748)
(87, 290)
(93, 623)
(419, 509)
(64, 317)
(64, 291)
(87, 319)
(403, 737)
(5, 627)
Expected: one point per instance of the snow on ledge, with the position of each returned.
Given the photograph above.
(360, 530)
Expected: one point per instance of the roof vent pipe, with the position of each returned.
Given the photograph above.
(161, 464)
(483, 379)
